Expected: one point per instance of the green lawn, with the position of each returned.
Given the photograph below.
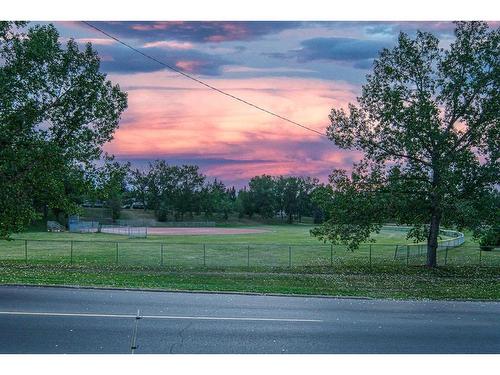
(293, 234)
(282, 246)
(284, 260)
(378, 282)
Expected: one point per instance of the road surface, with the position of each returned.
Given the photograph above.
(66, 320)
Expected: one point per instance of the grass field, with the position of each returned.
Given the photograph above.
(280, 246)
(296, 234)
(467, 282)
(286, 259)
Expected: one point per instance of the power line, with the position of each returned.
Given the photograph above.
(202, 82)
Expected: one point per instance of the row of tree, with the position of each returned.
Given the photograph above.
(180, 192)
(283, 196)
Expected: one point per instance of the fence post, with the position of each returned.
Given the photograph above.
(396, 252)
(248, 256)
(480, 252)
(71, 253)
(289, 257)
(117, 253)
(204, 255)
(407, 254)
(446, 255)
(161, 255)
(370, 255)
(331, 255)
(26, 251)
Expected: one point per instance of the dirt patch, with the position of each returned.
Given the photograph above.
(202, 231)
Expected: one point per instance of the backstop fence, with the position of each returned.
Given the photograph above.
(131, 232)
(132, 228)
(156, 223)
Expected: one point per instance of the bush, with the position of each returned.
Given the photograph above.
(490, 240)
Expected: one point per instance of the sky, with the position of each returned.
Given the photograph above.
(299, 70)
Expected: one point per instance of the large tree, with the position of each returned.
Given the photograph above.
(139, 181)
(188, 190)
(305, 206)
(216, 198)
(427, 122)
(161, 184)
(262, 194)
(171, 189)
(111, 184)
(56, 111)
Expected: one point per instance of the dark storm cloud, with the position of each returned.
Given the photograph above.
(359, 52)
(198, 31)
(119, 59)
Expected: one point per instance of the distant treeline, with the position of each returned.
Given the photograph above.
(180, 192)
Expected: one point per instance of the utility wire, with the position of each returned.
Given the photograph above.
(202, 82)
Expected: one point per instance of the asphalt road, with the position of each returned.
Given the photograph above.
(64, 320)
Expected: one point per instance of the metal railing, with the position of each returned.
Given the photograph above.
(457, 238)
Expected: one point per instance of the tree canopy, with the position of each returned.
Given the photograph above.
(56, 111)
(427, 123)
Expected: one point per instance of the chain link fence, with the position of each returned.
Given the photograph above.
(168, 224)
(131, 232)
(235, 255)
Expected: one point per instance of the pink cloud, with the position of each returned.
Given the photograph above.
(169, 116)
(190, 66)
(217, 38)
(155, 25)
(96, 41)
(173, 44)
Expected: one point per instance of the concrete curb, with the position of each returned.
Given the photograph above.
(243, 293)
(185, 291)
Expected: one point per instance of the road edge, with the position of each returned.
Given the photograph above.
(89, 287)
(65, 286)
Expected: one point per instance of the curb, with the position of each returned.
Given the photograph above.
(184, 291)
(159, 290)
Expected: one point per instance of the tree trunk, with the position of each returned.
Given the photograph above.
(432, 240)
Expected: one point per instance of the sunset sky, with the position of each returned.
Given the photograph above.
(299, 70)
